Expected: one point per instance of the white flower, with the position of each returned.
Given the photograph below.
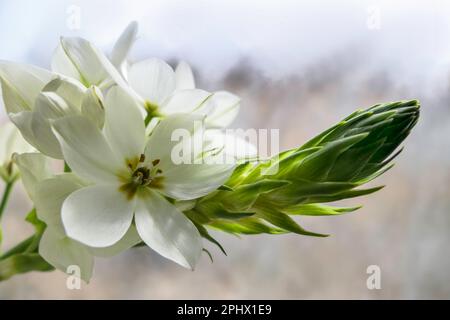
(11, 142)
(131, 179)
(152, 82)
(33, 96)
(48, 192)
(21, 85)
(165, 92)
(79, 59)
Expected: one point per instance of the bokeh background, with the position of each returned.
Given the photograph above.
(299, 66)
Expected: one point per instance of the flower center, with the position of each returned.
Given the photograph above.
(148, 175)
(142, 176)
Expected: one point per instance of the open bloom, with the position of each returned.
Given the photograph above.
(152, 82)
(133, 181)
(34, 96)
(11, 142)
(48, 192)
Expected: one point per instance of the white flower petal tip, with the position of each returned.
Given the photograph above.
(184, 76)
(187, 101)
(226, 109)
(123, 46)
(167, 230)
(77, 58)
(63, 253)
(21, 84)
(231, 145)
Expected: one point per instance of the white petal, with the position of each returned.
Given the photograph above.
(86, 150)
(70, 90)
(130, 239)
(35, 126)
(11, 142)
(226, 108)
(123, 46)
(232, 145)
(167, 230)
(98, 216)
(23, 121)
(153, 79)
(33, 167)
(124, 127)
(62, 64)
(165, 137)
(184, 76)
(191, 181)
(92, 106)
(49, 197)
(185, 101)
(48, 106)
(62, 252)
(43, 140)
(77, 58)
(51, 106)
(21, 84)
(114, 76)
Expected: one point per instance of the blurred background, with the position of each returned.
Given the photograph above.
(299, 66)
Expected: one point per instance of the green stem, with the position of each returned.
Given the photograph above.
(5, 197)
(152, 112)
(21, 247)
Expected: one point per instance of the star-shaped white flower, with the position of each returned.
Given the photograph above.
(48, 192)
(133, 180)
(34, 96)
(160, 89)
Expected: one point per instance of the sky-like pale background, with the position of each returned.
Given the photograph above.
(299, 66)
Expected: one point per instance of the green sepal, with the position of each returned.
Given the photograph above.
(314, 209)
(282, 220)
(225, 188)
(208, 254)
(245, 195)
(344, 195)
(22, 263)
(248, 226)
(216, 210)
(205, 234)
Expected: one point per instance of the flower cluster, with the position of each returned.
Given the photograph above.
(111, 124)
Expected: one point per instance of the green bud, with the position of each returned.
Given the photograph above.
(261, 196)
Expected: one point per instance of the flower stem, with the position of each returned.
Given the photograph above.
(5, 197)
(21, 247)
